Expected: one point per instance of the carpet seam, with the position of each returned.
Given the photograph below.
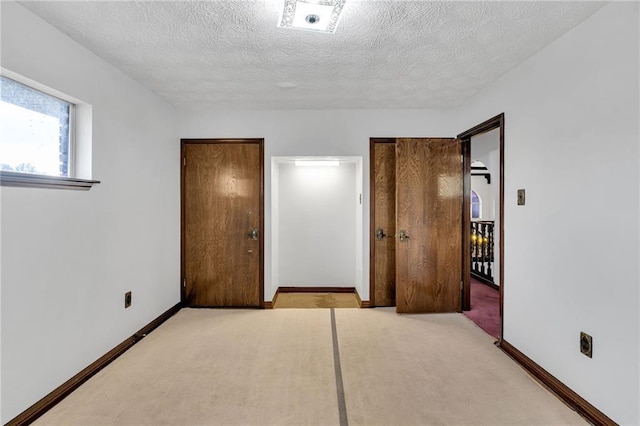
(342, 406)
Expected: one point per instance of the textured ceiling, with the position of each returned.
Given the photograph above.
(384, 54)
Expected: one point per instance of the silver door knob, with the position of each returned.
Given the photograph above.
(402, 236)
(253, 234)
(380, 234)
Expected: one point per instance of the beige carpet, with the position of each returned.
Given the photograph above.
(316, 300)
(215, 367)
(276, 367)
(434, 370)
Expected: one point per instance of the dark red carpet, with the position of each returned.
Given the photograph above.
(485, 308)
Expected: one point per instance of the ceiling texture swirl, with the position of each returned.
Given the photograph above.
(384, 54)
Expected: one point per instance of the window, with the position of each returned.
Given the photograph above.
(36, 145)
(35, 132)
(476, 205)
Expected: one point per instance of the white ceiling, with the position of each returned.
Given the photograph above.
(384, 55)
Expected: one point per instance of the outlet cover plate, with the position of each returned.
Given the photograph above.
(586, 344)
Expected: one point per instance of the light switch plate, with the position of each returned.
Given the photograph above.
(521, 197)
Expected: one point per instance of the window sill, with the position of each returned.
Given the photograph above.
(26, 180)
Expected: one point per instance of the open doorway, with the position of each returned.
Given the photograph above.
(483, 231)
(316, 211)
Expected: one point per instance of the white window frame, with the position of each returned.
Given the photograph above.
(76, 126)
(479, 205)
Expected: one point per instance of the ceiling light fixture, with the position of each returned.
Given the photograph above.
(311, 15)
(317, 163)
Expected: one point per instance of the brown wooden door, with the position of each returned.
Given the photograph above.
(222, 223)
(428, 211)
(383, 154)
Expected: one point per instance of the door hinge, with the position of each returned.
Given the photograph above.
(184, 161)
(360, 198)
(462, 158)
(461, 285)
(184, 283)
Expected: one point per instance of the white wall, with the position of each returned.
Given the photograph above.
(317, 226)
(318, 133)
(69, 256)
(483, 144)
(494, 167)
(359, 220)
(486, 148)
(275, 226)
(571, 135)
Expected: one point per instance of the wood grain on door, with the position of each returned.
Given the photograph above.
(428, 211)
(222, 187)
(384, 205)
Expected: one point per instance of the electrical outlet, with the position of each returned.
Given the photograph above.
(127, 299)
(586, 344)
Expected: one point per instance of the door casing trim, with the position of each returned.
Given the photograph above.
(496, 122)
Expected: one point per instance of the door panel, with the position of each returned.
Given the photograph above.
(222, 206)
(428, 209)
(384, 204)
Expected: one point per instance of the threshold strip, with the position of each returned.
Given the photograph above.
(342, 406)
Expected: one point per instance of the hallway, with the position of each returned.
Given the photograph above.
(485, 308)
